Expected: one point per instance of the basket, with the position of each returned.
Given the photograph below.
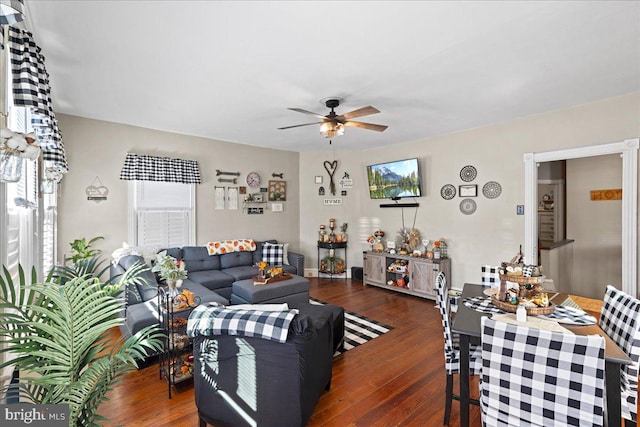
(531, 311)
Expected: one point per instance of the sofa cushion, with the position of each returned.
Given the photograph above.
(174, 252)
(290, 269)
(257, 254)
(197, 258)
(241, 272)
(205, 294)
(141, 292)
(211, 279)
(235, 259)
(142, 315)
(273, 254)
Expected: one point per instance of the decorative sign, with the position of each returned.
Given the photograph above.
(97, 191)
(329, 202)
(219, 198)
(232, 198)
(346, 181)
(615, 194)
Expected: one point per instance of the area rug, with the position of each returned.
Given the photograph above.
(358, 329)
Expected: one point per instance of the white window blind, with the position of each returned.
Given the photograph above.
(163, 228)
(162, 214)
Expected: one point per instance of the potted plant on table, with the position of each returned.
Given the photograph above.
(171, 270)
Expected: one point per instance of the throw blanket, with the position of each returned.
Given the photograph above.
(216, 319)
(226, 246)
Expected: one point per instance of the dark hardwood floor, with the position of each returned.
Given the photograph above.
(397, 379)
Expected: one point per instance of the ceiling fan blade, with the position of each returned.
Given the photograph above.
(300, 110)
(297, 126)
(364, 111)
(369, 126)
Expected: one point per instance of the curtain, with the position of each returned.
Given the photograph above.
(141, 167)
(30, 82)
(11, 11)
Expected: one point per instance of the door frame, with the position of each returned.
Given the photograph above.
(628, 150)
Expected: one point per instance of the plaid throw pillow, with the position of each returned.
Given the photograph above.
(273, 254)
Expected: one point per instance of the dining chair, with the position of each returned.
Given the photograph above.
(490, 276)
(451, 348)
(536, 377)
(620, 319)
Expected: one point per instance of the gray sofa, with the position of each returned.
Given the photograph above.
(210, 277)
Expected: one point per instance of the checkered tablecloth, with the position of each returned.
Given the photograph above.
(561, 314)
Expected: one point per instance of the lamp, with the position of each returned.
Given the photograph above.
(330, 129)
(11, 11)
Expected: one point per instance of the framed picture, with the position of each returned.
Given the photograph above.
(468, 190)
(257, 197)
(318, 179)
(277, 191)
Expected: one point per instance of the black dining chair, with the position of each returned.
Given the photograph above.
(620, 319)
(535, 377)
(451, 348)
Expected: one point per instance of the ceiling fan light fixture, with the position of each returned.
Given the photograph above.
(331, 129)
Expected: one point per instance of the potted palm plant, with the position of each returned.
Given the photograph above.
(58, 337)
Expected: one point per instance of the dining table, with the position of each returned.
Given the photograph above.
(467, 323)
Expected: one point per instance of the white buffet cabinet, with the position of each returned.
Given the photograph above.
(419, 275)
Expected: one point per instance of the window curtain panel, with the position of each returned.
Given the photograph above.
(141, 167)
(31, 89)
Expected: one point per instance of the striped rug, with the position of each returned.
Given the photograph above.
(358, 329)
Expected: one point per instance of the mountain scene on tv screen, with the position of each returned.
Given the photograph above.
(393, 180)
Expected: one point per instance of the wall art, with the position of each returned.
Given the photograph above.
(468, 173)
(469, 190)
(277, 191)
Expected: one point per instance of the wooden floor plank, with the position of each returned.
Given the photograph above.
(397, 379)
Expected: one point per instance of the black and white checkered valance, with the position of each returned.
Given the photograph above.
(141, 167)
(30, 82)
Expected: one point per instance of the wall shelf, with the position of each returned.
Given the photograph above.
(400, 205)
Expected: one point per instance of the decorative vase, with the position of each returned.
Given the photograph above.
(10, 166)
(173, 288)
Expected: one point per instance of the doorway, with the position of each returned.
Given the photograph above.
(628, 150)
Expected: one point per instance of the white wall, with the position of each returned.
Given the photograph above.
(491, 235)
(494, 232)
(596, 226)
(98, 148)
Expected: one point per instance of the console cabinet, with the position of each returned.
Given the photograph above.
(407, 274)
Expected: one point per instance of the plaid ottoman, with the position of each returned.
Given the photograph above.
(291, 291)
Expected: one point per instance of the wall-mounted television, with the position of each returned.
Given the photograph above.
(393, 180)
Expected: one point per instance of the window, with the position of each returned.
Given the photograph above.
(161, 214)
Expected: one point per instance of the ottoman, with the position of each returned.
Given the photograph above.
(337, 320)
(291, 291)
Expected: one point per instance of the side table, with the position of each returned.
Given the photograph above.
(176, 357)
(328, 260)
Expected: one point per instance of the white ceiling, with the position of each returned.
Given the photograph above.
(228, 70)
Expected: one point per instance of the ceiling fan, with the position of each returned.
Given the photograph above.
(333, 124)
